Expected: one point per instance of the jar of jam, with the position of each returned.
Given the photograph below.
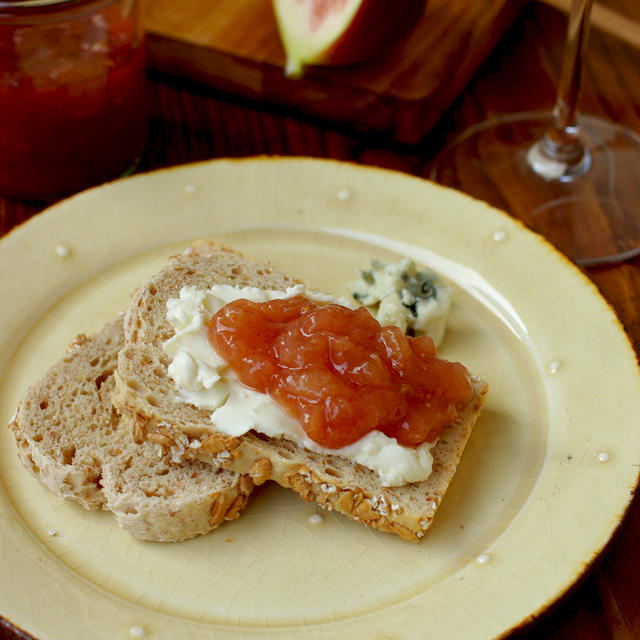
(72, 94)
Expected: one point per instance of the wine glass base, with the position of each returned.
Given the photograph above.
(555, 170)
(591, 212)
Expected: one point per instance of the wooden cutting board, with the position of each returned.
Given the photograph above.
(233, 45)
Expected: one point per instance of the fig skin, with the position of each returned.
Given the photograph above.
(376, 25)
(373, 29)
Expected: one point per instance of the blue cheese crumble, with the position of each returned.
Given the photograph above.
(398, 294)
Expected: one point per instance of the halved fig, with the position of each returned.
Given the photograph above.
(341, 32)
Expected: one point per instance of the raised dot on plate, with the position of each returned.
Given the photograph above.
(344, 194)
(137, 631)
(52, 532)
(190, 188)
(603, 456)
(500, 236)
(554, 365)
(315, 518)
(62, 251)
(483, 558)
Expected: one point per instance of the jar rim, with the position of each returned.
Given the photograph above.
(26, 4)
(46, 10)
(18, 4)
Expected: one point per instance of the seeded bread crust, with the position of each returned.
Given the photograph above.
(70, 436)
(149, 396)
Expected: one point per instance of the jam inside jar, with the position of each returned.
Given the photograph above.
(72, 94)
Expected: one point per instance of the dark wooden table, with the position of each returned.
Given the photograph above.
(191, 122)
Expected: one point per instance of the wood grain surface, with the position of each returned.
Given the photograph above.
(235, 46)
(192, 122)
(608, 20)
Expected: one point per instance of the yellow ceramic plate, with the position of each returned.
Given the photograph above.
(545, 479)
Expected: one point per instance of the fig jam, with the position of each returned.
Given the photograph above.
(72, 95)
(339, 372)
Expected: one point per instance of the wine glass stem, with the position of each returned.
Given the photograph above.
(564, 112)
(561, 144)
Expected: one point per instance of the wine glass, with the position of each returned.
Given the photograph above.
(575, 179)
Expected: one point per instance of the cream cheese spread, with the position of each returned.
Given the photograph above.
(206, 381)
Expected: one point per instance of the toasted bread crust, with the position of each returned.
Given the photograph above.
(333, 482)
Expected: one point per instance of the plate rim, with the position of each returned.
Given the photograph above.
(59, 209)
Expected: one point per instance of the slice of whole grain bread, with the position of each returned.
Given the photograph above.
(76, 443)
(150, 398)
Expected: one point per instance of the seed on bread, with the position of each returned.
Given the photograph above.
(245, 484)
(235, 508)
(218, 443)
(365, 511)
(160, 439)
(76, 343)
(300, 482)
(137, 429)
(345, 501)
(260, 471)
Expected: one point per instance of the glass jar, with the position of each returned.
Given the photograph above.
(72, 94)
